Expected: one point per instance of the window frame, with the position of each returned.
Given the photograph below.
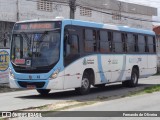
(125, 42)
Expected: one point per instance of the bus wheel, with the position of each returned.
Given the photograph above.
(85, 86)
(43, 91)
(134, 79)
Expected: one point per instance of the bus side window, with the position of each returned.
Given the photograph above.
(151, 44)
(124, 41)
(141, 43)
(74, 46)
(90, 40)
(136, 48)
(110, 40)
(71, 49)
(154, 44)
(146, 44)
(130, 43)
(104, 43)
(117, 42)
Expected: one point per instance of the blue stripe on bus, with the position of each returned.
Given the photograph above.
(100, 68)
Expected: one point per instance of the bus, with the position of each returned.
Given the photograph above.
(65, 54)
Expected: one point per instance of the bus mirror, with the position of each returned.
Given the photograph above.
(66, 37)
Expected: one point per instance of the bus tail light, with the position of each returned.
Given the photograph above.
(55, 74)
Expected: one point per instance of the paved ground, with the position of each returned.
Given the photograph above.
(25, 99)
(146, 102)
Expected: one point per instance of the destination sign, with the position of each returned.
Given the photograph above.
(37, 25)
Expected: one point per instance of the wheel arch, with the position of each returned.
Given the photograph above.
(91, 74)
(137, 68)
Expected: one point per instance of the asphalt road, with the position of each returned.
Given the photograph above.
(30, 98)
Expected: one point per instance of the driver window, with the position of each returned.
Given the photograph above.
(71, 50)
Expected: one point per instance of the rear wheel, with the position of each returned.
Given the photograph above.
(43, 91)
(134, 79)
(85, 85)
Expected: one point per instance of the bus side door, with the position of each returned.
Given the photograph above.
(71, 62)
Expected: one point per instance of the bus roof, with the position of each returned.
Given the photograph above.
(112, 27)
(96, 25)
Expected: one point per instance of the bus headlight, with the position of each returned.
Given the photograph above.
(55, 74)
(11, 74)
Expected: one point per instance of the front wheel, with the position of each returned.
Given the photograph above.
(85, 85)
(43, 92)
(134, 79)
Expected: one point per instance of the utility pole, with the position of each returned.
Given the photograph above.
(17, 5)
(120, 10)
(72, 5)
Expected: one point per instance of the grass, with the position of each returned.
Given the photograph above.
(147, 90)
(76, 105)
(157, 74)
(152, 89)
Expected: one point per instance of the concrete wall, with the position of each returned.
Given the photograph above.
(28, 10)
(8, 10)
(108, 19)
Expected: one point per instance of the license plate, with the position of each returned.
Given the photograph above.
(31, 86)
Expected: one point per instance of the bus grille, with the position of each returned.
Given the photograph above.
(36, 84)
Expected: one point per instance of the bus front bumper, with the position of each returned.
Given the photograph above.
(54, 84)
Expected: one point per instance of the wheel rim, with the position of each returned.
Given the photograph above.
(134, 78)
(85, 83)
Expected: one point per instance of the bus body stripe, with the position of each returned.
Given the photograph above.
(100, 68)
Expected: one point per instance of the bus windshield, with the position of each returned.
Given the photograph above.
(35, 49)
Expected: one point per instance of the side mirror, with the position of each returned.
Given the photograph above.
(66, 37)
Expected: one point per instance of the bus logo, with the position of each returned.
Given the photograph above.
(4, 60)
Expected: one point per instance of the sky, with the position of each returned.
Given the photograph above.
(152, 3)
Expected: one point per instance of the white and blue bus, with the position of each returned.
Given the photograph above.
(63, 54)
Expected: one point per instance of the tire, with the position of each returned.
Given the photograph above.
(85, 86)
(43, 92)
(134, 79)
